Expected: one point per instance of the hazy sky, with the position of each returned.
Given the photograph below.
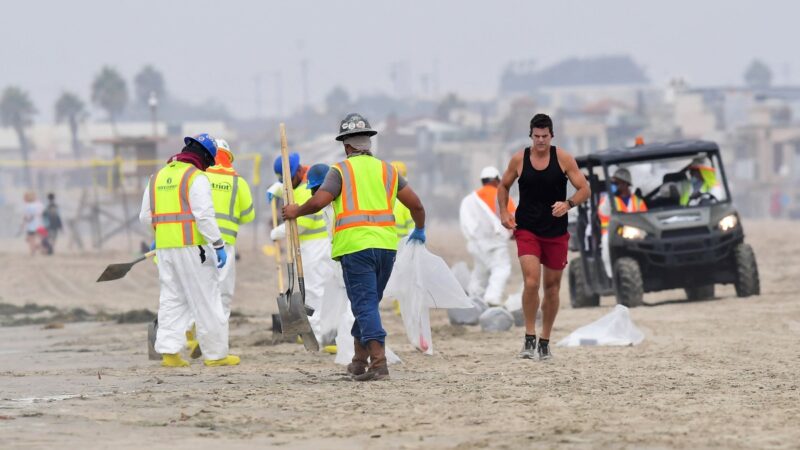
(215, 49)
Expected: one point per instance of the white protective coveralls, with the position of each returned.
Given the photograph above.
(190, 289)
(487, 242)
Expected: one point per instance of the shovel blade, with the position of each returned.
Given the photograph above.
(152, 330)
(115, 272)
(294, 320)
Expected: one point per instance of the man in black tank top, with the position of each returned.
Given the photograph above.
(540, 225)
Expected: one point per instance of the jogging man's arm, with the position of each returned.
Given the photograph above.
(578, 181)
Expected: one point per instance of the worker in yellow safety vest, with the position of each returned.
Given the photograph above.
(702, 181)
(363, 190)
(625, 201)
(315, 246)
(177, 203)
(402, 216)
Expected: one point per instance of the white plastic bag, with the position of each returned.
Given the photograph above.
(461, 272)
(615, 328)
(467, 316)
(421, 280)
(496, 319)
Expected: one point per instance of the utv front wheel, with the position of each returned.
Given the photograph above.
(747, 282)
(628, 282)
(580, 295)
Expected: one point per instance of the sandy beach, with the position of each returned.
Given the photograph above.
(723, 373)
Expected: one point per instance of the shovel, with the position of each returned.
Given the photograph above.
(117, 271)
(291, 305)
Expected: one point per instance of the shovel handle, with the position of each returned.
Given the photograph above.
(288, 191)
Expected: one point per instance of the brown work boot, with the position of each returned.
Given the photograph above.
(359, 364)
(378, 370)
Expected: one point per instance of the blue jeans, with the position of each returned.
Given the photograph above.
(365, 276)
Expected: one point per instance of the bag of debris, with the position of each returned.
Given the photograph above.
(345, 349)
(615, 328)
(468, 316)
(496, 319)
(420, 281)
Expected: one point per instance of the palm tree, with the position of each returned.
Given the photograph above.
(110, 92)
(17, 111)
(71, 109)
(147, 81)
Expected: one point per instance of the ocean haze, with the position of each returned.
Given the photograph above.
(216, 50)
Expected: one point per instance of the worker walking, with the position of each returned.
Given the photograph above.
(540, 225)
(315, 246)
(177, 202)
(625, 201)
(402, 216)
(487, 238)
(363, 190)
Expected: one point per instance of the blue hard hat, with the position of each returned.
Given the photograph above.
(294, 164)
(316, 174)
(204, 139)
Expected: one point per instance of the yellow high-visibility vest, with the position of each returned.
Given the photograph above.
(233, 201)
(365, 207)
(170, 211)
(311, 226)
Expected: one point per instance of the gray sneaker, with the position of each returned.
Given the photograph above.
(544, 351)
(528, 350)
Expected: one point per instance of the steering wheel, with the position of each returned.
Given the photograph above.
(702, 199)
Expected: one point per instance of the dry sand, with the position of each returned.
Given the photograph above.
(722, 373)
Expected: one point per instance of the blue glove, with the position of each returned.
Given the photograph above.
(222, 257)
(417, 235)
(153, 246)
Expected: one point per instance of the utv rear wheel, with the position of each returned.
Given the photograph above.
(700, 292)
(580, 295)
(628, 282)
(747, 282)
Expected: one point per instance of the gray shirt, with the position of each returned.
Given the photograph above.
(332, 183)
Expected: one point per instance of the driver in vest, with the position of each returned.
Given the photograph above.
(363, 190)
(625, 201)
(702, 180)
(177, 203)
(315, 247)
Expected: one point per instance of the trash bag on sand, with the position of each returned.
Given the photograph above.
(467, 316)
(344, 342)
(615, 328)
(496, 319)
(421, 280)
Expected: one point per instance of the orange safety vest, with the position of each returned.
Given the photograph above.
(635, 204)
(488, 194)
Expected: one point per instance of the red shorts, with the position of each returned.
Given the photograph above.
(552, 252)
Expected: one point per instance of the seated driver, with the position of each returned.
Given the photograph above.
(625, 201)
(702, 180)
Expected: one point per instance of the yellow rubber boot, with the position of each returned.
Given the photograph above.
(330, 349)
(173, 360)
(230, 360)
(191, 343)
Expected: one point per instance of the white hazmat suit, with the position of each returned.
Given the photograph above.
(487, 242)
(190, 288)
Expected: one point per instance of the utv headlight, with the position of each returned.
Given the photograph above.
(629, 232)
(728, 222)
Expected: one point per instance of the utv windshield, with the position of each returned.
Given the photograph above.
(669, 183)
